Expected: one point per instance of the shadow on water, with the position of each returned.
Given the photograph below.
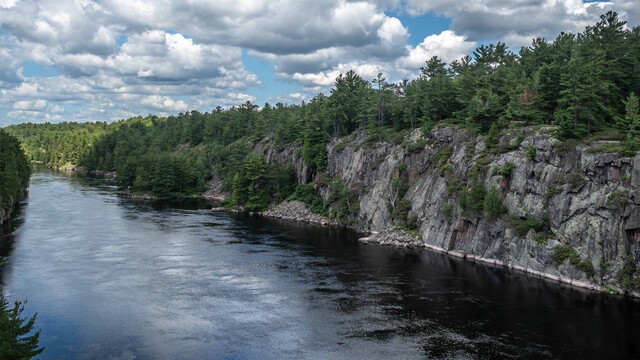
(200, 284)
(456, 308)
(7, 235)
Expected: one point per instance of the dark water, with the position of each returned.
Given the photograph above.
(113, 278)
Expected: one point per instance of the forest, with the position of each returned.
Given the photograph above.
(14, 171)
(584, 85)
(17, 338)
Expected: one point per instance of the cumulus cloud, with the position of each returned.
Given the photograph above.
(164, 103)
(515, 20)
(447, 46)
(9, 69)
(118, 58)
(42, 110)
(273, 26)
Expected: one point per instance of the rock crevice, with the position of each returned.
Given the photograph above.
(588, 200)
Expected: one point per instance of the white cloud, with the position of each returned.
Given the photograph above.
(7, 4)
(515, 20)
(392, 31)
(117, 58)
(30, 105)
(447, 46)
(165, 103)
(9, 69)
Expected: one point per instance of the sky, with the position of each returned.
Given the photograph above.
(106, 60)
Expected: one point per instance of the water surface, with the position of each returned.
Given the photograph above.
(113, 278)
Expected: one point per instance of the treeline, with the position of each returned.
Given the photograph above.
(14, 171)
(57, 144)
(584, 84)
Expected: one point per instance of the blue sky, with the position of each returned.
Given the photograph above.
(84, 60)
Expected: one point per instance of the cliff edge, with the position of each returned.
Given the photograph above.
(528, 201)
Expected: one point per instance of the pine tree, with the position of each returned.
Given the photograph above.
(349, 99)
(631, 124)
(15, 339)
(255, 170)
(580, 106)
(238, 190)
(632, 116)
(314, 151)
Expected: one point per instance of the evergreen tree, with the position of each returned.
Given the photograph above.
(631, 124)
(238, 190)
(437, 86)
(349, 100)
(255, 173)
(631, 117)
(580, 104)
(17, 339)
(314, 151)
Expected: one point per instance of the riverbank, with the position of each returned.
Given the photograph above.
(399, 238)
(297, 211)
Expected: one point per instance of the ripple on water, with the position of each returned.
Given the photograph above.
(115, 278)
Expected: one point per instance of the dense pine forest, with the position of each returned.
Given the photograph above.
(583, 85)
(14, 171)
(17, 338)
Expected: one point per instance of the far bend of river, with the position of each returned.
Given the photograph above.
(114, 278)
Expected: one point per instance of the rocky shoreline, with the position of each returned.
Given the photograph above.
(297, 211)
(399, 238)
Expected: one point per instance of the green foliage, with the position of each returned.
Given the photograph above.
(618, 198)
(314, 151)
(416, 146)
(575, 181)
(493, 136)
(631, 144)
(255, 176)
(566, 146)
(481, 166)
(630, 275)
(14, 170)
(307, 194)
(631, 118)
(541, 227)
(531, 151)
(342, 201)
(492, 205)
(349, 99)
(475, 200)
(552, 191)
(58, 144)
(17, 339)
(251, 188)
(630, 124)
(447, 210)
(507, 169)
(441, 158)
(472, 199)
(564, 252)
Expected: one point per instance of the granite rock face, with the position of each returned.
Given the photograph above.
(556, 197)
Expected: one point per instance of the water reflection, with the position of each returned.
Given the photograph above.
(120, 279)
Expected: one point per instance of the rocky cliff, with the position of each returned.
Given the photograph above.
(528, 201)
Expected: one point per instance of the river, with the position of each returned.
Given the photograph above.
(114, 278)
